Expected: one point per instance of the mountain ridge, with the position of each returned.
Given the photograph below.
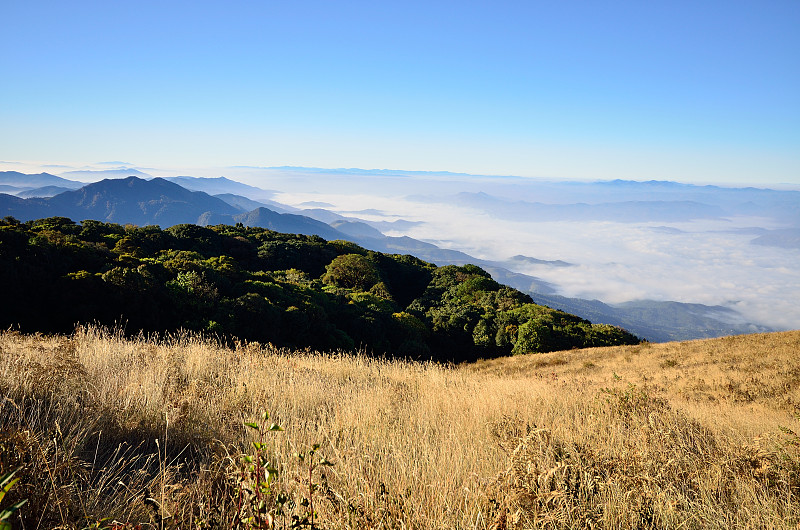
(37, 180)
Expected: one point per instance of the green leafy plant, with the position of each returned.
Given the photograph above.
(259, 501)
(7, 482)
(312, 460)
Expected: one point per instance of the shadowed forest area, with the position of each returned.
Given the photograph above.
(254, 284)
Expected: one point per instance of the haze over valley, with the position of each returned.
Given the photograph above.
(624, 241)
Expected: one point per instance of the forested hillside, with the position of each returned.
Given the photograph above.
(257, 284)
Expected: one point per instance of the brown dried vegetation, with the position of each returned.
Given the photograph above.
(682, 435)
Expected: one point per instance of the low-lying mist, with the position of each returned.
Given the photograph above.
(707, 260)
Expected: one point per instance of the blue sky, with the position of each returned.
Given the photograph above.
(688, 91)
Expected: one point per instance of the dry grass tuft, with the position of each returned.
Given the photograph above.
(698, 434)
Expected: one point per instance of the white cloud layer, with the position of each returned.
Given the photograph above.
(706, 262)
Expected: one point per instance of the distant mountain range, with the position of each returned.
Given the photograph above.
(129, 200)
(246, 204)
(657, 321)
(220, 185)
(44, 191)
(784, 238)
(626, 211)
(24, 181)
(115, 173)
(367, 172)
(156, 202)
(167, 202)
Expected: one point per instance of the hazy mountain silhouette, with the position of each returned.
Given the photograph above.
(246, 204)
(519, 258)
(138, 201)
(784, 238)
(356, 228)
(45, 191)
(625, 211)
(288, 223)
(218, 185)
(129, 200)
(326, 216)
(23, 209)
(28, 181)
(625, 201)
(96, 175)
(656, 321)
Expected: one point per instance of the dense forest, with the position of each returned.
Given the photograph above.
(259, 285)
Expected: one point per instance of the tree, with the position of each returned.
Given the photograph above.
(351, 271)
(533, 336)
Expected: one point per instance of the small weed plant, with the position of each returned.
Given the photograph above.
(261, 503)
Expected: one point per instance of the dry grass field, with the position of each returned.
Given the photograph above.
(115, 433)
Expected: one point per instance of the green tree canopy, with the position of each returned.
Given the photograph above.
(351, 271)
(257, 284)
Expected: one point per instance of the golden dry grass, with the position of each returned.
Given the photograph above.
(650, 436)
(749, 382)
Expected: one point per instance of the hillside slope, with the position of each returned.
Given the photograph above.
(759, 371)
(248, 283)
(699, 434)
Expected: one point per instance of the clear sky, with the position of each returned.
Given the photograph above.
(695, 91)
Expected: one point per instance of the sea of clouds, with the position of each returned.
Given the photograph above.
(705, 261)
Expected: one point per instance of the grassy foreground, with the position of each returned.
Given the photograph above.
(115, 433)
